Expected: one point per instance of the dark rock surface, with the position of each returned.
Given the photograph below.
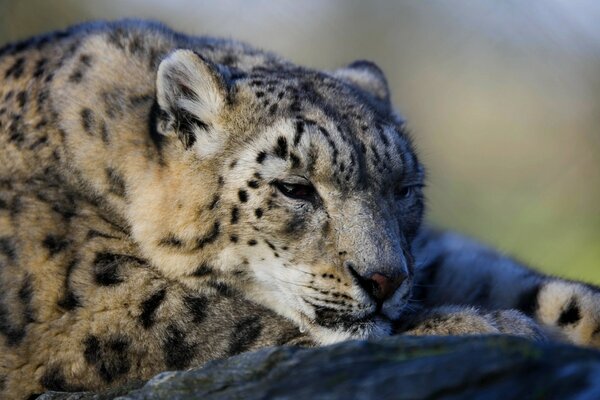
(492, 367)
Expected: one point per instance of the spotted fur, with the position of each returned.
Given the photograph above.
(167, 200)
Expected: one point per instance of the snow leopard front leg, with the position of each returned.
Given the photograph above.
(454, 270)
(467, 320)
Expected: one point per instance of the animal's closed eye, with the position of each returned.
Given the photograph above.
(296, 191)
(406, 191)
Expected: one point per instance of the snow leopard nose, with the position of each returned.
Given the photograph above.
(383, 287)
(379, 286)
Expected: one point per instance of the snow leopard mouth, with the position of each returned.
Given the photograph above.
(376, 323)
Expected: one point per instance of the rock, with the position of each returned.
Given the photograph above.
(490, 367)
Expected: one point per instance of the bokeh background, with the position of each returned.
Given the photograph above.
(503, 98)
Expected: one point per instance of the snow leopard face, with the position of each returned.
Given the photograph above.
(317, 191)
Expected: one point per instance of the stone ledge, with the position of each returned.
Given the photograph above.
(490, 367)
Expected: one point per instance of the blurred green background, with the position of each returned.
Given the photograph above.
(503, 98)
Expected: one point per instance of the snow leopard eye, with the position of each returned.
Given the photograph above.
(406, 192)
(296, 191)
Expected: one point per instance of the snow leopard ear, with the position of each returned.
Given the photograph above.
(366, 76)
(191, 94)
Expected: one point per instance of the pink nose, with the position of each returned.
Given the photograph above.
(385, 286)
